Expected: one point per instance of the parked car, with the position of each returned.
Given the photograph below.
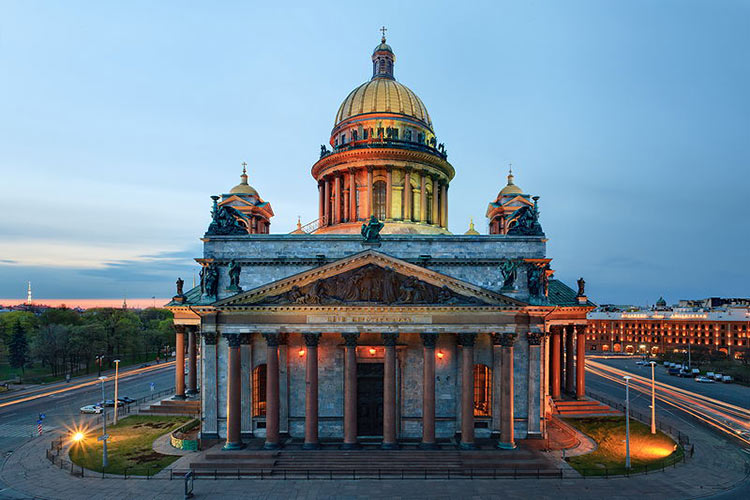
(710, 374)
(91, 409)
(704, 379)
(718, 377)
(685, 373)
(674, 371)
(696, 371)
(126, 400)
(667, 363)
(727, 379)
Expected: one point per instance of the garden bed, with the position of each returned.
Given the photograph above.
(648, 452)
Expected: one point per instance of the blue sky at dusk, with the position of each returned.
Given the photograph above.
(630, 119)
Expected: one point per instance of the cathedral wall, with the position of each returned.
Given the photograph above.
(267, 258)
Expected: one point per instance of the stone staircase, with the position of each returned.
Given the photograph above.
(584, 408)
(174, 407)
(373, 464)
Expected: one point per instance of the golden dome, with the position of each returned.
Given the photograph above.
(243, 187)
(511, 189)
(383, 95)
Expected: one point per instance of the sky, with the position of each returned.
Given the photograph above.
(630, 119)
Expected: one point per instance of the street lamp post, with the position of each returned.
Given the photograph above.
(653, 399)
(627, 421)
(103, 438)
(117, 372)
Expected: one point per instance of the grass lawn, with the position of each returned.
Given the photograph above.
(646, 449)
(129, 446)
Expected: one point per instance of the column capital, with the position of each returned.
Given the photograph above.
(370, 168)
(467, 339)
(233, 339)
(534, 338)
(209, 337)
(504, 339)
(272, 339)
(389, 339)
(579, 329)
(179, 329)
(429, 340)
(311, 339)
(408, 169)
(245, 338)
(350, 338)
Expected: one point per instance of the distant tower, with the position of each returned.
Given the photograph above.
(124, 303)
(28, 295)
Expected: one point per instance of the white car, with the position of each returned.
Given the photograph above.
(91, 409)
(704, 379)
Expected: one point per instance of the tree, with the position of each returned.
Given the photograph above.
(18, 348)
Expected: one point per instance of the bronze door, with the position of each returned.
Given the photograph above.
(370, 399)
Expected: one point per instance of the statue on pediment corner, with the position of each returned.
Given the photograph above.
(234, 276)
(525, 221)
(211, 281)
(509, 270)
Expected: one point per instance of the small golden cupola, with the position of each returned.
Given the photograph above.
(246, 205)
(510, 203)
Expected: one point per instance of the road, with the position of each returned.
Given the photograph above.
(693, 408)
(61, 404)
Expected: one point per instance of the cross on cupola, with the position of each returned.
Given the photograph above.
(383, 59)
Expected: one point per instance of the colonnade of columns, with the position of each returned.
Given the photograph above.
(338, 201)
(567, 361)
(192, 351)
(390, 340)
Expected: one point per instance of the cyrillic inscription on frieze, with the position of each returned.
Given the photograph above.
(370, 318)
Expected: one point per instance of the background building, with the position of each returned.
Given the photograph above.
(720, 324)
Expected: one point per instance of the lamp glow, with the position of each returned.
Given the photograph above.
(440, 355)
(301, 352)
(372, 351)
(78, 437)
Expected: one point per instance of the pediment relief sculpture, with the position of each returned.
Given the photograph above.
(370, 284)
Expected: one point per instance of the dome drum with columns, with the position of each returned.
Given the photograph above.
(385, 160)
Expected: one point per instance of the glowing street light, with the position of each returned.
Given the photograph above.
(103, 438)
(627, 420)
(78, 437)
(653, 399)
(117, 373)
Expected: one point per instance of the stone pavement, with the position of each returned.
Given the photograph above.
(716, 467)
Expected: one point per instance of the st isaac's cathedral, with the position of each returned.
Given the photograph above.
(374, 324)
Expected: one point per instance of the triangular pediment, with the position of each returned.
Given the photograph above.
(369, 278)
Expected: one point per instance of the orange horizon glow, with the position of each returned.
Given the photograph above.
(134, 303)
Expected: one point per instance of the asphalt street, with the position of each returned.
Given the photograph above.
(18, 422)
(670, 415)
(729, 393)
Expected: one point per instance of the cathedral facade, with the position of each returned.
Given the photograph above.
(374, 323)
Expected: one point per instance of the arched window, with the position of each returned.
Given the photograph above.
(482, 391)
(259, 391)
(378, 199)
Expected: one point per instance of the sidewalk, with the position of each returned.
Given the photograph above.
(716, 467)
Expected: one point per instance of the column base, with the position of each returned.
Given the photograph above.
(467, 446)
(180, 397)
(428, 446)
(506, 446)
(191, 392)
(351, 446)
(389, 446)
(271, 446)
(580, 397)
(233, 446)
(311, 446)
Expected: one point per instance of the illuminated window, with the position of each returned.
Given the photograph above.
(259, 391)
(482, 391)
(378, 199)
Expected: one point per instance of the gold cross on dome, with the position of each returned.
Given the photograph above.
(383, 30)
(244, 167)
